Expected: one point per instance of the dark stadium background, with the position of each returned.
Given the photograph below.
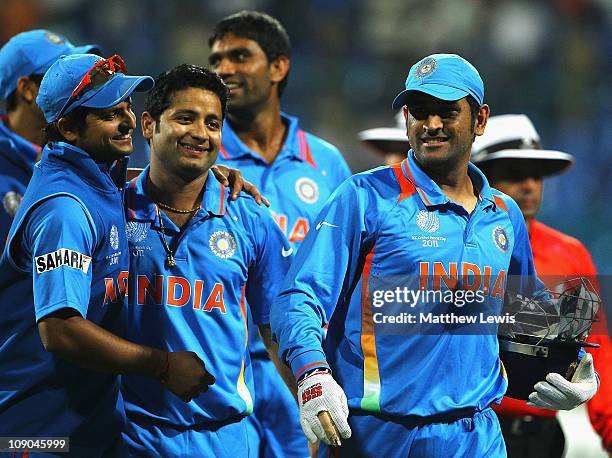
(549, 59)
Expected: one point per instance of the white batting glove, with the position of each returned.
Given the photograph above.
(319, 392)
(557, 393)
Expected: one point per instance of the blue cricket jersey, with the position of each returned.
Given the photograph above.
(228, 253)
(66, 249)
(394, 223)
(299, 181)
(17, 158)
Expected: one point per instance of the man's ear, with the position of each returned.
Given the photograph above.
(27, 89)
(481, 119)
(68, 131)
(147, 123)
(279, 68)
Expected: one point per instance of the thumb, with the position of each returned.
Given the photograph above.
(585, 369)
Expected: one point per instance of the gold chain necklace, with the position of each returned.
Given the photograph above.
(177, 210)
(170, 262)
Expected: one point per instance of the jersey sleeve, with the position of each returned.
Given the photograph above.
(324, 267)
(59, 240)
(272, 260)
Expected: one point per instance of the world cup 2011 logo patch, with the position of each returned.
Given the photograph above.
(428, 221)
(307, 190)
(426, 68)
(136, 232)
(222, 244)
(114, 238)
(501, 238)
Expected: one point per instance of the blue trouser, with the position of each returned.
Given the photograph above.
(473, 436)
(152, 439)
(274, 426)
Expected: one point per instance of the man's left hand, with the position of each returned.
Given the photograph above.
(557, 393)
(228, 176)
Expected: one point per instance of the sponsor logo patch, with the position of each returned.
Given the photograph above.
(313, 392)
(62, 257)
(428, 221)
(222, 244)
(501, 238)
(307, 190)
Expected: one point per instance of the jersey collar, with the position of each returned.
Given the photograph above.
(294, 146)
(431, 194)
(140, 206)
(107, 177)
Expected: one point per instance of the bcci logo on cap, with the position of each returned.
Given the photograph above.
(501, 238)
(426, 68)
(54, 38)
(428, 221)
(222, 244)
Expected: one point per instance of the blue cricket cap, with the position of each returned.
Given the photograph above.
(66, 74)
(444, 76)
(32, 53)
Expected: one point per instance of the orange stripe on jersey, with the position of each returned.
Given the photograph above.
(222, 199)
(371, 375)
(243, 390)
(305, 149)
(406, 187)
(224, 152)
(131, 187)
(413, 182)
(500, 203)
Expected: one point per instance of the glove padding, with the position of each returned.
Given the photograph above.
(318, 393)
(557, 393)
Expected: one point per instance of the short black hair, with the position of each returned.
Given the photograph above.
(11, 100)
(260, 27)
(76, 120)
(474, 106)
(179, 78)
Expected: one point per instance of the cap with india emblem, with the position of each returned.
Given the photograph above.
(444, 76)
(32, 53)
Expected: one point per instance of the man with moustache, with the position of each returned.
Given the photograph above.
(296, 170)
(200, 262)
(431, 220)
(65, 271)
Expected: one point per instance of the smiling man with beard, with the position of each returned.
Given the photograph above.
(295, 169)
(65, 268)
(197, 259)
(431, 220)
